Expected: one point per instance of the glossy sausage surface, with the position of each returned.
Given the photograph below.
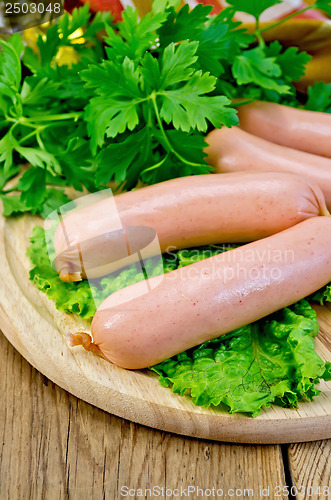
(207, 299)
(234, 150)
(185, 212)
(308, 131)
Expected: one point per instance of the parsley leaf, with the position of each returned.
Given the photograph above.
(188, 110)
(160, 93)
(33, 186)
(291, 61)
(319, 97)
(7, 145)
(177, 65)
(253, 7)
(253, 66)
(13, 205)
(117, 108)
(184, 24)
(133, 38)
(10, 65)
(35, 90)
(323, 5)
(77, 165)
(114, 160)
(53, 198)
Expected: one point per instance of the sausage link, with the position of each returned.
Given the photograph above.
(234, 150)
(184, 212)
(136, 328)
(308, 131)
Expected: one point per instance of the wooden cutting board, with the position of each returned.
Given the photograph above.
(37, 330)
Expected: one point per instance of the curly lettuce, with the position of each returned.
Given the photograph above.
(271, 361)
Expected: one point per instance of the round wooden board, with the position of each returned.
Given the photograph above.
(37, 330)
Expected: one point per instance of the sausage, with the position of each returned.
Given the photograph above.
(234, 150)
(135, 328)
(308, 131)
(184, 212)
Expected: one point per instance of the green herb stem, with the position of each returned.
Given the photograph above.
(22, 121)
(166, 139)
(11, 190)
(30, 122)
(157, 165)
(257, 33)
(159, 121)
(39, 140)
(259, 38)
(64, 116)
(36, 131)
(149, 125)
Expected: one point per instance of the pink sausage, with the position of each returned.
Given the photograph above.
(234, 150)
(210, 298)
(308, 131)
(185, 212)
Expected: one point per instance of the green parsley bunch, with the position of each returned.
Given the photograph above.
(41, 114)
(135, 103)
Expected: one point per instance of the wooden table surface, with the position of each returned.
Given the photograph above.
(54, 446)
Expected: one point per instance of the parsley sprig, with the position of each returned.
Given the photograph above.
(41, 113)
(153, 108)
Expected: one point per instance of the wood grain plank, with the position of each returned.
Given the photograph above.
(55, 446)
(310, 468)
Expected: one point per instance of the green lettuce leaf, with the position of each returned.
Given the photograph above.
(327, 373)
(81, 297)
(68, 297)
(323, 295)
(270, 361)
